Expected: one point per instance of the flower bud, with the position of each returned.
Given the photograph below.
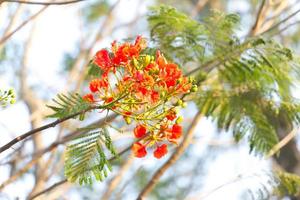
(184, 104)
(179, 81)
(191, 79)
(12, 101)
(135, 63)
(127, 120)
(10, 92)
(147, 60)
(179, 102)
(179, 120)
(194, 88)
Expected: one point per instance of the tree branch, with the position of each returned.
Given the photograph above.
(258, 19)
(282, 143)
(6, 37)
(34, 131)
(281, 22)
(175, 156)
(65, 180)
(43, 3)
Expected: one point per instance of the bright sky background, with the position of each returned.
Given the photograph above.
(57, 32)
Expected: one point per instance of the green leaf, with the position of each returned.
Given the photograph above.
(65, 105)
(94, 70)
(85, 158)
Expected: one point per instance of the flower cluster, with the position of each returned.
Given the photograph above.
(142, 88)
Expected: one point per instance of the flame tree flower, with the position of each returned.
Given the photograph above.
(144, 89)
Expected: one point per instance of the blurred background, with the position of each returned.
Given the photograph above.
(44, 50)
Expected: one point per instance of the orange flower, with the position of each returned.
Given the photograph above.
(141, 87)
(160, 151)
(89, 98)
(140, 131)
(139, 150)
(171, 115)
(176, 132)
(103, 60)
(154, 96)
(97, 84)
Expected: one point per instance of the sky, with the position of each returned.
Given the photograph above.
(57, 32)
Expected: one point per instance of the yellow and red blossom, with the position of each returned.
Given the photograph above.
(89, 98)
(142, 88)
(140, 131)
(139, 150)
(160, 151)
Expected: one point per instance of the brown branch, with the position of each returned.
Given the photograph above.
(200, 5)
(19, 173)
(49, 188)
(43, 3)
(65, 180)
(281, 22)
(282, 143)
(175, 156)
(117, 179)
(34, 131)
(259, 18)
(53, 146)
(6, 37)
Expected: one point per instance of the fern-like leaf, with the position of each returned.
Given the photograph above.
(85, 157)
(65, 105)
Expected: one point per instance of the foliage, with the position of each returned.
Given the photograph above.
(7, 97)
(242, 88)
(288, 184)
(66, 105)
(278, 182)
(93, 12)
(85, 157)
(185, 40)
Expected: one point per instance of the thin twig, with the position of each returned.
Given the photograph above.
(258, 19)
(175, 156)
(117, 179)
(49, 188)
(282, 143)
(44, 3)
(6, 37)
(34, 131)
(65, 180)
(200, 5)
(281, 22)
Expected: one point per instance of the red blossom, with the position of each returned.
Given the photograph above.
(140, 131)
(139, 150)
(160, 151)
(97, 84)
(171, 115)
(141, 88)
(176, 132)
(103, 60)
(89, 98)
(154, 96)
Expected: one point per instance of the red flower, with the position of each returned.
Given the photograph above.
(176, 132)
(108, 99)
(139, 131)
(97, 84)
(171, 115)
(139, 150)
(171, 83)
(160, 151)
(127, 113)
(143, 90)
(103, 60)
(89, 98)
(154, 96)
